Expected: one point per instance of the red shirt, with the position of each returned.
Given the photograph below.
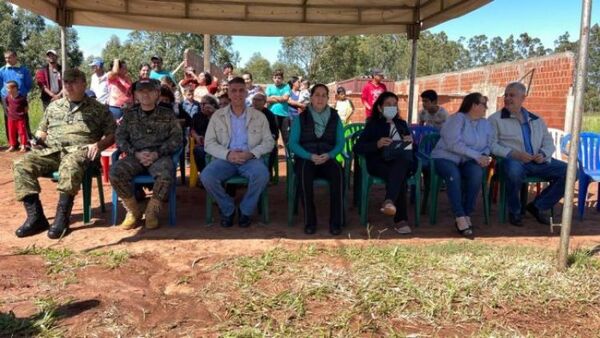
(369, 95)
(17, 107)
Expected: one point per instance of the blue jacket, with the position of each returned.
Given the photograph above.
(19, 74)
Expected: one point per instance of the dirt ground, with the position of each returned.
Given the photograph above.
(145, 292)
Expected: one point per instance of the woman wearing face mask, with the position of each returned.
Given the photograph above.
(383, 129)
(461, 156)
(316, 138)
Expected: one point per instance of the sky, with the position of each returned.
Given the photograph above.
(545, 19)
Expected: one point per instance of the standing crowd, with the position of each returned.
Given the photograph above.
(235, 126)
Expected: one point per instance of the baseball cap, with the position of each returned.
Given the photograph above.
(156, 57)
(73, 74)
(97, 63)
(146, 84)
(51, 51)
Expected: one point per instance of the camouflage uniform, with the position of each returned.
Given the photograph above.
(158, 131)
(69, 130)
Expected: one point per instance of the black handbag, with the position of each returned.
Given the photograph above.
(397, 149)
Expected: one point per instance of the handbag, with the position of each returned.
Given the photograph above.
(397, 149)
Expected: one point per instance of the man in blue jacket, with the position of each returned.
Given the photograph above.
(13, 71)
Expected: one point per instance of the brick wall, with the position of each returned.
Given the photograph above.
(550, 92)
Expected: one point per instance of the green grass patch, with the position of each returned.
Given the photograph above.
(41, 324)
(65, 260)
(379, 290)
(591, 123)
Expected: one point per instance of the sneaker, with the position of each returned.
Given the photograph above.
(227, 221)
(388, 208)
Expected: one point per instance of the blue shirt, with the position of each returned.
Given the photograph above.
(526, 130)
(19, 74)
(239, 132)
(463, 139)
(293, 111)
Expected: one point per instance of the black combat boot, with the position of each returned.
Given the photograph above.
(60, 227)
(36, 222)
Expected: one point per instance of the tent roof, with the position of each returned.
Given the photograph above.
(254, 17)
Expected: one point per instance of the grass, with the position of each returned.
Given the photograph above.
(591, 123)
(65, 260)
(41, 324)
(480, 289)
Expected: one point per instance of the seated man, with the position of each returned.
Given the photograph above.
(432, 115)
(522, 138)
(149, 134)
(72, 133)
(237, 137)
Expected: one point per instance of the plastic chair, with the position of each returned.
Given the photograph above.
(419, 132)
(349, 158)
(366, 181)
(92, 171)
(557, 136)
(588, 158)
(427, 144)
(292, 188)
(502, 190)
(239, 180)
(148, 179)
(193, 166)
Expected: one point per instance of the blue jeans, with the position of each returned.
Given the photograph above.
(116, 112)
(218, 171)
(463, 183)
(515, 172)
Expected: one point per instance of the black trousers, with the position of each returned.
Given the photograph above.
(306, 172)
(395, 173)
(283, 123)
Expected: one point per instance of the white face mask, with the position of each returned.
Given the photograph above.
(390, 112)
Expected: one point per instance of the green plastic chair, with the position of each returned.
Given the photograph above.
(93, 171)
(502, 190)
(292, 188)
(427, 144)
(366, 181)
(239, 180)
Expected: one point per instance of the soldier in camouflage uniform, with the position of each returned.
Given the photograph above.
(149, 134)
(71, 135)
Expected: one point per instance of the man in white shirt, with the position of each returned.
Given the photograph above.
(99, 81)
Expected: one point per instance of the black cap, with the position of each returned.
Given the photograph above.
(73, 74)
(156, 57)
(146, 84)
(376, 71)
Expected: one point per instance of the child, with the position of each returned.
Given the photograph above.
(304, 92)
(189, 106)
(224, 100)
(432, 114)
(17, 108)
(343, 105)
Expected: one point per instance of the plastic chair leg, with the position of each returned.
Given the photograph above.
(434, 188)
(364, 201)
(115, 201)
(209, 203)
(105, 161)
(584, 182)
(87, 197)
(502, 202)
(265, 206)
(486, 200)
(417, 201)
(100, 193)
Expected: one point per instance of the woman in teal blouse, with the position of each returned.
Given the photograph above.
(316, 138)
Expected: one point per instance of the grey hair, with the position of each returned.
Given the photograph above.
(518, 86)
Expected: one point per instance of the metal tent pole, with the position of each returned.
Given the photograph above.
(206, 52)
(63, 48)
(580, 80)
(413, 35)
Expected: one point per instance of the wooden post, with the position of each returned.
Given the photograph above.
(206, 52)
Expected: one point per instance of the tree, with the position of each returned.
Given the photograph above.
(479, 51)
(259, 67)
(564, 44)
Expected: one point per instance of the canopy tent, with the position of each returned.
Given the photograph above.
(255, 17)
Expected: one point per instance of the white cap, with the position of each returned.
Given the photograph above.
(51, 51)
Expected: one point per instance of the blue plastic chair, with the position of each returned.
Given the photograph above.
(148, 179)
(418, 134)
(588, 165)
